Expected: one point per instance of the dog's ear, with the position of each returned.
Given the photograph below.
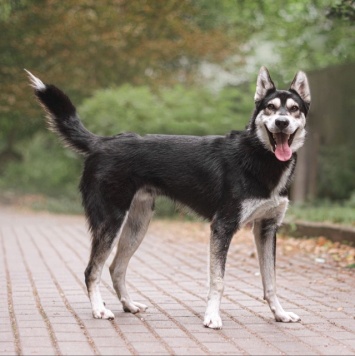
(263, 84)
(301, 86)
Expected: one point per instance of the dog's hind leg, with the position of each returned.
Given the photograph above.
(221, 236)
(104, 236)
(139, 216)
(265, 240)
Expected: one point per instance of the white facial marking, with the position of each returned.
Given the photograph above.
(276, 102)
(290, 102)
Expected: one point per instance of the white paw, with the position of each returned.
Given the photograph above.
(103, 313)
(212, 321)
(287, 317)
(133, 307)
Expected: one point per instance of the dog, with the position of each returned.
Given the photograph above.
(232, 180)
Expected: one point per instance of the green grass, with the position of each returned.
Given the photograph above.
(61, 205)
(323, 212)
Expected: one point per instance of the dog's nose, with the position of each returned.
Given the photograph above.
(281, 123)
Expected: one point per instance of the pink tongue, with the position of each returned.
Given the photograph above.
(283, 151)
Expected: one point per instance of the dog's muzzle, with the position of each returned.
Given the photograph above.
(280, 141)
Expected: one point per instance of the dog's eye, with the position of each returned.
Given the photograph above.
(294, 108)
(271, 107)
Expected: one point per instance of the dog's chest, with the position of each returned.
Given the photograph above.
(273, 207)
(258, 209)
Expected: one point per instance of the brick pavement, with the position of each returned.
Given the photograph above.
(44, 308)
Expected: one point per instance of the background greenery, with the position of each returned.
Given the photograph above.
(173, 66)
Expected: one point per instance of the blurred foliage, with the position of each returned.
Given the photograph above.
(324, 211)
(86, 45)
(298, 34)
(149, 54)
(344, 10)
(99, 43)
(290, 34)
(174, 110)
(45, 168)
(336, 178)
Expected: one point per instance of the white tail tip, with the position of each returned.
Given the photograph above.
(35, 82)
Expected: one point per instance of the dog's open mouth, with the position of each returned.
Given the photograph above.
(281, 143)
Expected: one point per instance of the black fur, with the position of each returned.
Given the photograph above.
(204, 173)
(65, 120)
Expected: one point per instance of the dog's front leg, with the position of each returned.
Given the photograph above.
(221, 236)
(265, 239)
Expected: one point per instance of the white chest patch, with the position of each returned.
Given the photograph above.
(271, 208)
(258, 209)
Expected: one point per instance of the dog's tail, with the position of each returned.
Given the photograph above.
(62, 116)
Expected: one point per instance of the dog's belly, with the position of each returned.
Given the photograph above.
(258, 209)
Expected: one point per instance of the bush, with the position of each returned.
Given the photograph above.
(336, 172)
(46, 168)
(177, 110)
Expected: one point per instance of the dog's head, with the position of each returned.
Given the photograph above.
(280, 116)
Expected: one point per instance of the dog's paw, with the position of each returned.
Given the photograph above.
(212, 321)
(103, 313)
(287, 317)
(133, 307)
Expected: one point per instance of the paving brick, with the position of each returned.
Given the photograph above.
(7, 348)
(135, 328)
(73, 336)
(168, 273)
(6, 335)
(111, 350)
(160, 324)
(40, 350)
(109, 342)
(333, 350)
(149, 348)
(188, 351)
(349, 342)
(75, 348)
(137, 337)
(176, 333)
(34, 332)
(178, 342)
(291, 348)
(208, 337)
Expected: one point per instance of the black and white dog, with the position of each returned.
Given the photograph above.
(231, 180)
